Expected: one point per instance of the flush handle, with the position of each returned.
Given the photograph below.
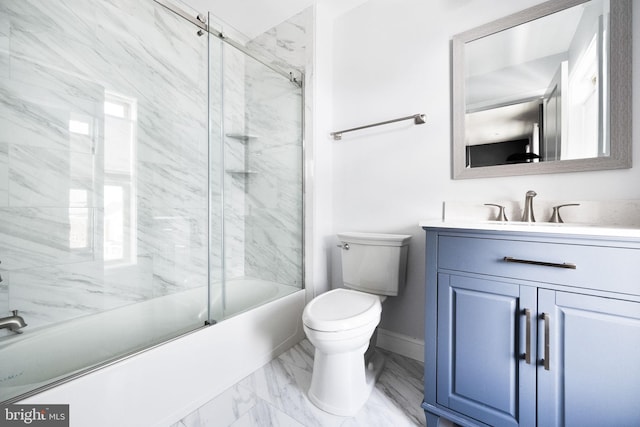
(344, 246)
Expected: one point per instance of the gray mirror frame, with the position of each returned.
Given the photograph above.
(620, 98)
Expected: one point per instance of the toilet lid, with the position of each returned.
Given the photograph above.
(341, 310)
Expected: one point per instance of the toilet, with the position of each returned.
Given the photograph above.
(341, 323)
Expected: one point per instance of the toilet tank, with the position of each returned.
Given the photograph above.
(373, 262)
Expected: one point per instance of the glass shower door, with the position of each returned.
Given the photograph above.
(262, 181)
(103, 183)
(216, 177)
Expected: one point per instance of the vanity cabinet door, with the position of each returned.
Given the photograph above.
(481, 340)
(590, 374)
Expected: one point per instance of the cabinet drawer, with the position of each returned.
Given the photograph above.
(606, 268)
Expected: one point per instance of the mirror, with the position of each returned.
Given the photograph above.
(545, 90)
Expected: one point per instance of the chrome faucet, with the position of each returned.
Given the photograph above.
(13, 323)
(527, 214)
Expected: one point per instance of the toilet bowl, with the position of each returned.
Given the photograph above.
(341, 322)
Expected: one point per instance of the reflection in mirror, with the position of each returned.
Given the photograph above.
(532, 91)
(504, 134)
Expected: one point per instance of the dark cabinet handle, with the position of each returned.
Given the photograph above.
(542, 263)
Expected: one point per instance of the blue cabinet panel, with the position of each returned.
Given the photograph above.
(479, 350)
(594, 374)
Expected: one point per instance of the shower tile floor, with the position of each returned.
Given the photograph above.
(275, 395)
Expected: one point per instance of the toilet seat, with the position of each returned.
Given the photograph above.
(342, 310)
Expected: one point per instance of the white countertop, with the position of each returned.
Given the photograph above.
(610, 218)
(536, 227)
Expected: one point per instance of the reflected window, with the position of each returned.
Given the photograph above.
(80, 222)
(116, 109)
(114, 222)
(119, 180)
(81, 136)
(79, 127)
(584, 108)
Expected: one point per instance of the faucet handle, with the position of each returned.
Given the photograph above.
(555, 215)
(501, 215)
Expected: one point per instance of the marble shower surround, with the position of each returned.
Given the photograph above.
(54, 72)
(263, 179)
(274, 236)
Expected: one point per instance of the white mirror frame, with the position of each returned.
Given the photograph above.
(619, 95)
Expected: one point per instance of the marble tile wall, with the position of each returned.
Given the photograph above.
(234, 128)
(59, 62)
(274, 113)
(289, 43)
(263, 173)
(274, 231)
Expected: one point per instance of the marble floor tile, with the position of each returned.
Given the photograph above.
(263, 414)
(226, 409)
(275, 395)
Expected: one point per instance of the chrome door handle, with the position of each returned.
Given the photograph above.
(545, 361)
(527, 352)
(542, 263)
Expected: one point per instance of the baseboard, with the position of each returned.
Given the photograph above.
(401, 344)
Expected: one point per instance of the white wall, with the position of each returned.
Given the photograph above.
(391, 58)
(318, 149)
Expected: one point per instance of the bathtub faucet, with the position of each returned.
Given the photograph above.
(13, 323)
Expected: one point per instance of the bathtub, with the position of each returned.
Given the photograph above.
(42, 356)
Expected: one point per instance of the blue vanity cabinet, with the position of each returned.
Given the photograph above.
(538, 338)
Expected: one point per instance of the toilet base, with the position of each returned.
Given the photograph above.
(375, 365)
(341, 383)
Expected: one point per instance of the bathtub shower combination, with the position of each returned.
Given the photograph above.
(150, 183)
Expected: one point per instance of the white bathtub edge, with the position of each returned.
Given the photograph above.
(161, 386)
(289, 305)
